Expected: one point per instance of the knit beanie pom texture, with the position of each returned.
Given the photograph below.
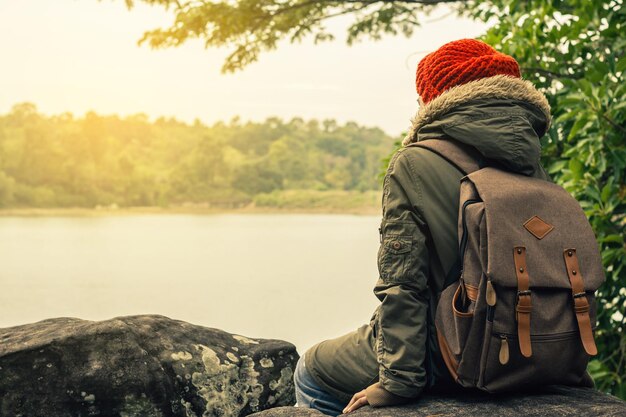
(459, 62)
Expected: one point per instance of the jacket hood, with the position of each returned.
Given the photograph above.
(502, 117)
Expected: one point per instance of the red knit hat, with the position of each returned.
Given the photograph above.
(459, 62)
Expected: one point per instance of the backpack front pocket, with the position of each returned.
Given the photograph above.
(553, 362)
(558, 356)
(454, 325)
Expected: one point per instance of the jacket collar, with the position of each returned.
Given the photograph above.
(498, 87)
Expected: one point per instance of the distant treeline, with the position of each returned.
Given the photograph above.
(66, 161)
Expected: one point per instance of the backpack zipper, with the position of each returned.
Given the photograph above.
(503, 356)
(490, 294)
(541, 337)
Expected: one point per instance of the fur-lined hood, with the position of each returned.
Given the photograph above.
(501, 116)
(496, 87)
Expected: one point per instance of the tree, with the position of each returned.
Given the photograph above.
(57, 161)
(254, 26)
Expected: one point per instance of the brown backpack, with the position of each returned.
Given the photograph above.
(522, 311)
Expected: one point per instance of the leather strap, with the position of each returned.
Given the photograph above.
(523, 307)
(472, 292)
(581, 305)
(464, 157)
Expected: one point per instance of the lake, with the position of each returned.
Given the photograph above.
(300, 278)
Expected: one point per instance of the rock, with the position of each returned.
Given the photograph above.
(139, 366)
(554, 401)
(289, 412)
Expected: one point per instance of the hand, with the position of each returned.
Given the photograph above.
(358, 400)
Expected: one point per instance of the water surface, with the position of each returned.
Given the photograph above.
(301, 278)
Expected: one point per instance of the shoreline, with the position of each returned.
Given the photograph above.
(196, 210)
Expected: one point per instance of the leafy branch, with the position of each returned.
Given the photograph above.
(251, 27)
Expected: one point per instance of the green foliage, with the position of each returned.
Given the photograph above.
(255, 26)
(384, 163)
(575, 51)
(62, 161)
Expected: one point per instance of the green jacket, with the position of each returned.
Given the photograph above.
(396, 356)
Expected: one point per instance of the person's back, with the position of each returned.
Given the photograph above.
(470, 94)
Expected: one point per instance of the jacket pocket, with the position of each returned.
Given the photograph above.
(395, 258)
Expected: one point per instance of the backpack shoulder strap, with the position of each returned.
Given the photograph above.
(464, 157)
(467, 160)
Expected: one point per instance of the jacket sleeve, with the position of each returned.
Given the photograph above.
(400, 324)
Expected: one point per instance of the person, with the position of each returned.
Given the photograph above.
(472, 94)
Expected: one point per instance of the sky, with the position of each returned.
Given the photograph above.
(82, 55)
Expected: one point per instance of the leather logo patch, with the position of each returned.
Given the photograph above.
(538, 227)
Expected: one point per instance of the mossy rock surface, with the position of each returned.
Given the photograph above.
(140, 366)
(554, 401)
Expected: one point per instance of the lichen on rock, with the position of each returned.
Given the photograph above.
(246, 340)
(266, 362)
(283, 386)
(225, 387)
(181, 356)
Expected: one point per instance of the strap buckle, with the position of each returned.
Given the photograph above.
(524, 308)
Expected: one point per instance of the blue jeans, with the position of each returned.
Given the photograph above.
(310, 395)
